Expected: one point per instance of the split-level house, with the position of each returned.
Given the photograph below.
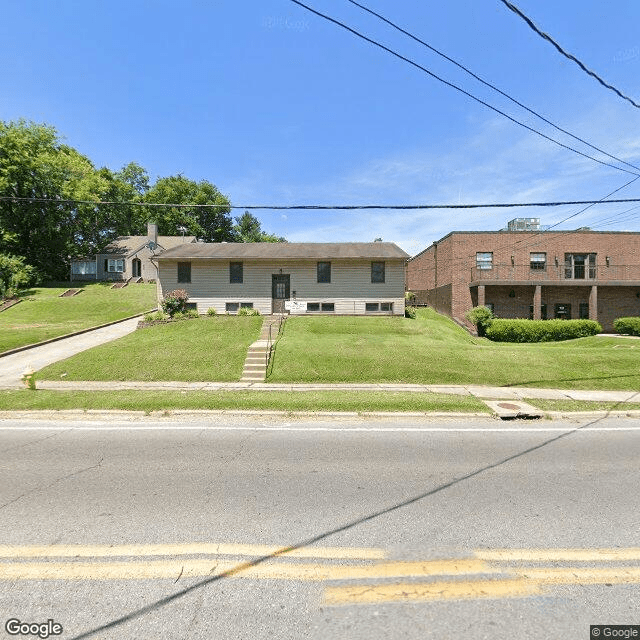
(531, 274)
(342, 278)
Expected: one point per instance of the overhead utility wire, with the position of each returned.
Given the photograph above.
(457, 88)
(488, 84)
(324, 207)
(549, 39)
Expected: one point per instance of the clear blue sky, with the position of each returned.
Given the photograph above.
(276, 106)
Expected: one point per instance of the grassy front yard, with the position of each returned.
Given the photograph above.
(42, 314)
(189, 350)
(433, 350)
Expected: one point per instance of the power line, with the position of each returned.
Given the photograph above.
(549, 39)
(457, 88)
(322, 207)
(488, 84)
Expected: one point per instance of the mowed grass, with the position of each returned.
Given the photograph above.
(187, 350)
(432, 349)
(42, 314)
(307, 401)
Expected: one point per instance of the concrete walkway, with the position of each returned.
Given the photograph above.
(478, 391)
(13, 366)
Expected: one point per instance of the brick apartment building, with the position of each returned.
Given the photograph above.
(531, 273)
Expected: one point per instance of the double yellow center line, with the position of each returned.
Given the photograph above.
(485, 573)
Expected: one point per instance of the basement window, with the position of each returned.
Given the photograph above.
(231, 307)
(328, 306)
(313, 306)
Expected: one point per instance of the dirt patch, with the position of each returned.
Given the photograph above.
(70, 292)
(6, 304)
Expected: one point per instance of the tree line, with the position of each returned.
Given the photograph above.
(49, 211)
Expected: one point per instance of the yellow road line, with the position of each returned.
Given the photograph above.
(581, 575)
(550, 555)
(201, 568)
(213, 549)
(367, 594)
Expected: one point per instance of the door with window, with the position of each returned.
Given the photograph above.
(136, 268)
(280, 290)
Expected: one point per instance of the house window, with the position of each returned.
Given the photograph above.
(324, 272)
(328, 306)
(538, 261)
(246, 305)
(484, 260)
(313, 306)
(386, 306)
(236, 275)
(370, 307)
(115, 265)
(83, 268)
(231, 307)
(579, 266)
(184, 272)
(377, 272)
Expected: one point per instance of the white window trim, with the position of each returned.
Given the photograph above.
(115, 265)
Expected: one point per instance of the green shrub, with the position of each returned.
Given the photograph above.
(158, 316)
(211, 311)
(248, 311)
(627, 326)
(175, 301)
(15, 275)
(191, 313)
(481, 317)
(501, 330)
(409, 312)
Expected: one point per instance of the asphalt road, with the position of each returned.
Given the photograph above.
(401, 529)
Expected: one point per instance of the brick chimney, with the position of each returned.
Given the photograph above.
(152, 232)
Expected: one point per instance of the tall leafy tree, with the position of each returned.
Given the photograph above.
(249, 229)
(210, 221)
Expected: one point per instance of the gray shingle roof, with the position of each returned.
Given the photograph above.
(123, 245)
(284, 250)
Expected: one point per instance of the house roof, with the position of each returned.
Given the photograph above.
(124, 245)
(284, 250)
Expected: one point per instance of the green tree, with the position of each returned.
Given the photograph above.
(248, 229)
(15, 275)
(209, 221)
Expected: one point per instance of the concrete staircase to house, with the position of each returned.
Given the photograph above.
(255, 364)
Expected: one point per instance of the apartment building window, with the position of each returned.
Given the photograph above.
(484, 260)
(236, 274)
(579, 266)
(377, 272)
(184, 272)
(324, 272)
(538, 261)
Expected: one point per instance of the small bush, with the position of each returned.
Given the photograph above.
(481, 317)
(175, 301)
(501, 330)
(192, 313)
(409, 312)
(211, 311)
(627, 326)
(248, 311)
(158, 316)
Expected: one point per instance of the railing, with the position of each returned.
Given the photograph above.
(272, 342)
(524, 272)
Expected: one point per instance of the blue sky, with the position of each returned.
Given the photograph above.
(276, 106)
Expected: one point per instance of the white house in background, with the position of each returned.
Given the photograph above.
(127, 257)
(342, 278)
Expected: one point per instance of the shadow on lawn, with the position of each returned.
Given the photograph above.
(553, 381)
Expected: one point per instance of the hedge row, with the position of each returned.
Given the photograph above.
(627, 326)
(540, 330)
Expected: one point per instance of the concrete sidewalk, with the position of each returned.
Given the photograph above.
(478, 391)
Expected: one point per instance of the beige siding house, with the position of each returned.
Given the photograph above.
(353, 278)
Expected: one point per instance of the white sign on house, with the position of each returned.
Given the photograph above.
(295, 306)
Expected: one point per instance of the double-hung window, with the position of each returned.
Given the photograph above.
(324, 272)
(484, 260)
(184, 272)
(115, 265)
(377, 272)
(236, 274)
(538, 261)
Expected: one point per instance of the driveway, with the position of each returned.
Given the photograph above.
(13, 366)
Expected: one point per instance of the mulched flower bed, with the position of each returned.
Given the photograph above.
(5, 304)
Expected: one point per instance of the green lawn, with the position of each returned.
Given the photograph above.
(275, 400)
(207, 348)
(42, 314)
(434, 350)
(583, 405)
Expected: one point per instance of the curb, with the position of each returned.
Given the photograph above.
(71, 335)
